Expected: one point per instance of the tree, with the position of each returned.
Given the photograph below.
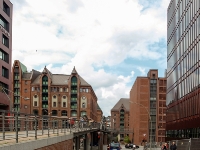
(126, 139)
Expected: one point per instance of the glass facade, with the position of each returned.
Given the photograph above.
(183, 61)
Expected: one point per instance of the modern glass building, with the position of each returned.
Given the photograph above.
(183, 69)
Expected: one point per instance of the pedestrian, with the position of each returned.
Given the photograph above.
(173, 146)
(164, 147)
(160, 143)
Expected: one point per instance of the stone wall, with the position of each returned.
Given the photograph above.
(65, 145)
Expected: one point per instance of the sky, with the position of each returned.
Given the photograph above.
(110, 42)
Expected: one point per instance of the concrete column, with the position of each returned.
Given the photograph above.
(88, 140)
(105, 138)
(91, 143)
(77, 143)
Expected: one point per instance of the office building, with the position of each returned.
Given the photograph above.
(120, 118)
(183, 46)
(148, 108)
(45, 93)
(6, 9)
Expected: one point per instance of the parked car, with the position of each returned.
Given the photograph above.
(114, 146)
(130, 145)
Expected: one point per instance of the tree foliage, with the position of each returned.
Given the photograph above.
(126, 139)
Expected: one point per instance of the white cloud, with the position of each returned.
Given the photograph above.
(88, 34)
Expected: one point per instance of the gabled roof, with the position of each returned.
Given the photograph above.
(47, 72)
(60, 79)
(74, 71)
(83, 82)
(122, 102)
(26, 75)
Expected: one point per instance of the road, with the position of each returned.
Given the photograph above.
(123, 148)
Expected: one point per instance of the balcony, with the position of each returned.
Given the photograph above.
(44, 106)
(73, 107)
(44, 83)
(16, 101)
(73, 99)
(44, 99)
(17, 94)
(16, 85)
(74, 91)
(16, 77)
(74, 83)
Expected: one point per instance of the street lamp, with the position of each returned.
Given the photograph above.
(149, 120)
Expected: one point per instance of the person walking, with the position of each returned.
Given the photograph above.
(164, 147)
(173, 146)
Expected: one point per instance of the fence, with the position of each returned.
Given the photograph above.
(15, 125)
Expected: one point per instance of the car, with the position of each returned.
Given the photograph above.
(114, 146)
(130, 145)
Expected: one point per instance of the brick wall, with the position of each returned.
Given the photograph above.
(65, 145)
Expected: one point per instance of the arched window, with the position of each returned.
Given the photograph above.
(83, 113)
(63, 113)
(35, 112)
(74, 80)
(83, 105)
(54, 112)
(44, 80)
(73, 113)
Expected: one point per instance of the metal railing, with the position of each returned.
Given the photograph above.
(15, 125)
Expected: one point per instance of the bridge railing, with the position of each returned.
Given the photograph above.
(15, 125)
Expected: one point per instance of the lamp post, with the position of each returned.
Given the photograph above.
(149, 120)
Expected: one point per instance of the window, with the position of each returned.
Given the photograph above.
(54, 104)
(64, 97)
(5, 41)
(4, 23)
(4, 86)
(33, 89)
(35, 103)
(87, 90)
(25, 90)
(64, 104)
(54, 97)
(4, 56)
(5, 72)
(25, 106)
(26, 82)
(35, 96)
(83, 105)
(6, 9)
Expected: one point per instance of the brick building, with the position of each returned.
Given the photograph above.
(148, 100)
(52, 94)
(99, 114)
(6, 9)
(120, 118)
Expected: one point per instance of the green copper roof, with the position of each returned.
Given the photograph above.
(23, 67)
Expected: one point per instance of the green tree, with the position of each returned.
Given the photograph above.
(126, 139)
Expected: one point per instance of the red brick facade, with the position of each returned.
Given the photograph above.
(148, 98)
(52, 94)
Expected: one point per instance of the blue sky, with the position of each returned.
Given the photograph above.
(110, 42)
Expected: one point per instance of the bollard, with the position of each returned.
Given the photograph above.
(35, 128)
(26, 125)
(57, 127)
(42, 126)
(3, 125)
(16, 127)
(53, 125)
(48, 126)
